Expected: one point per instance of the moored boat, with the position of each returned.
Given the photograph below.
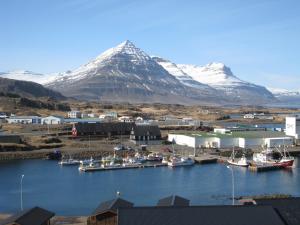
(238, 161)
(266, 156)
(176, 161)
(68, 162)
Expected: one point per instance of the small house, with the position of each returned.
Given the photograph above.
(74, 114)
(53, 120)
(145, 134)
(106, 212)
(33, 216)
(24, 120)
(249, 116)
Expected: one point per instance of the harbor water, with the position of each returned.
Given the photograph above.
(66, 191)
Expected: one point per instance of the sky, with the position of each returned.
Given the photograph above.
(258, 39)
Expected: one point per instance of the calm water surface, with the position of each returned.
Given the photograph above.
(66, 191)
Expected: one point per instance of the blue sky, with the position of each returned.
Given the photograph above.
(258, 39)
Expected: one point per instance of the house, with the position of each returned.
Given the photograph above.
(126, 119)
(106, 129)
(106, 212)
(106, 118)
(175, 210)
(145, 134)
(33, 216)
(53, 120)
(249, 116)
(24, 120)
(3, 115)
(74, 114)
(173, 200)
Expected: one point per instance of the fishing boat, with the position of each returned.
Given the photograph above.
(176, 161)
(266, 156)
(88, 161)
(238, 161)
(69, 162)
(286, 160)
(154, 157)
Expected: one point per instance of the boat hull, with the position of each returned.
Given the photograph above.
(237, 163)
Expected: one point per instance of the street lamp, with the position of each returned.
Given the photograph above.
(22, 192)
(232, 180)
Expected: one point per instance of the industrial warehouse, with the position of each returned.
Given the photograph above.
(246, 139)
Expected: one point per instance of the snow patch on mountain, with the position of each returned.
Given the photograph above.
(26, 75)
(279, 92)
(215, 74)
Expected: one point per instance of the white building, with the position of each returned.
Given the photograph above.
(249, 116)
(292, 127)
(251, 139)
(24, 119)
(74, 114)
(126, 119)
(281, 141)
(53, 120)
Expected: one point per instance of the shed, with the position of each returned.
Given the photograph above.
(33, 216)
(106, 212)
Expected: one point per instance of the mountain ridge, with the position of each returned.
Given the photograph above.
(127, 73)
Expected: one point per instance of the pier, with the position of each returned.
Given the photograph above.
(99, 168)
(264, 167)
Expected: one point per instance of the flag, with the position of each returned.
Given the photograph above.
(74, 131)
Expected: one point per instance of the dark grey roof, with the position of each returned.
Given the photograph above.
(33, 216)
(199, 215)
(145, 130)
(288, 208)
(173, 200)
(104, 127)
(112, 205)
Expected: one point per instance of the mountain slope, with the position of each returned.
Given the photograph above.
(184, 78)
(27, 89)
(26, 75)
(126, 73)
(286, 96)
(220, 77)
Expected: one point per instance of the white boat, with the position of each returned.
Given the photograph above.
(165, 160)
(180, 161)
(154, 157)
(238, 161)
(69, 162)
(88, 161)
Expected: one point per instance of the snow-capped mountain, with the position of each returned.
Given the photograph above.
(26, 75)
(279, 92)
(220, 77)
(126, 73)
(184, 78)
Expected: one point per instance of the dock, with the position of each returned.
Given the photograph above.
(99, 168)
(206, 159)
(264, 167)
